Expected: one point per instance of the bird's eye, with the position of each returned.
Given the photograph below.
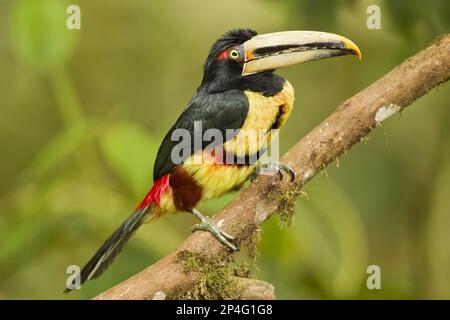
(234, 54)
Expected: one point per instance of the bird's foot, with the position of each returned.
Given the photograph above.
(207, 225)
(274, 168)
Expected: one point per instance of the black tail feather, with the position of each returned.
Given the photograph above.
(112, 247)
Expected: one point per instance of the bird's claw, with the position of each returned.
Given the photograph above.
(278, 168)
(224, 238)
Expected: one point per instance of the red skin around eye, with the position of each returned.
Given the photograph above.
(223, 55)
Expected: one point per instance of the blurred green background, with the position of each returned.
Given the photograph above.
(83, 111)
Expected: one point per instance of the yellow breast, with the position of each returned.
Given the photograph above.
(265, 113)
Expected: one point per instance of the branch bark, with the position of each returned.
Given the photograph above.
(253, 289)
(351, 121)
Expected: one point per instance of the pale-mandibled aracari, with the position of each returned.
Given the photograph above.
(239, 91)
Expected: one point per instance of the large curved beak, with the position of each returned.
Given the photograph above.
(275, 50)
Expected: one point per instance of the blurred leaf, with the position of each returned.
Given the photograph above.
(332, 238)
(15, 238)
(67, 99)
(25, 240)
(161, 237)
(438, 236)
(39, 33)
(314, 15)
(130, 151)
(62, 145)
(410, 18)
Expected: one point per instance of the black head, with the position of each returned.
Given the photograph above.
(243, 60)
(223, 67)
(220, 53)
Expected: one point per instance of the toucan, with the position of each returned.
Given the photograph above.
(239, 92)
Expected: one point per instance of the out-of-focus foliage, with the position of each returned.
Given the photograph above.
(83, 111)
(37, 35)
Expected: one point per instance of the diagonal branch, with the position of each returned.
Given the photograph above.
(351, 121)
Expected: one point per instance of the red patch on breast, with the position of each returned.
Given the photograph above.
(186, 192)
(154, 195)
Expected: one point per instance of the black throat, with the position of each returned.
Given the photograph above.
(266, 83)
(223, 75)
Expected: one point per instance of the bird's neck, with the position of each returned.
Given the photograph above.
(267, 83)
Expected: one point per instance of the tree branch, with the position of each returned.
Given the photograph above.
(351, 121)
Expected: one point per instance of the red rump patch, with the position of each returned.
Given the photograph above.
(223, 55)
(154, 195)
